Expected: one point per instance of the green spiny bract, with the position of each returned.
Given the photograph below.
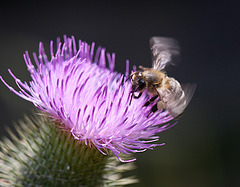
(45, 154)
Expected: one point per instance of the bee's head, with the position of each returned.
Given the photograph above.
(138, 83)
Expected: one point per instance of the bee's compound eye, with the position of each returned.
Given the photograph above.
(142, 84)
(141, 81)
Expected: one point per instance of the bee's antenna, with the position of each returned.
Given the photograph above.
(128, 78)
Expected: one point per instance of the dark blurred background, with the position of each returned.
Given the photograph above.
(203, 148)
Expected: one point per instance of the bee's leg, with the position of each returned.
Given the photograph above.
(139, 95)
(154, 97)
(151, 100)
(135, 97)
(160, 105)
(131, 98)
(153, 109)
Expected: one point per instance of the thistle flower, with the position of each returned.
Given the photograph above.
(82, 92)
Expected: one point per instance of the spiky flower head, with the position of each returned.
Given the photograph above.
(83, 93)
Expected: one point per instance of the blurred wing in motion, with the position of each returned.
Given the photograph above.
(180, 100)
(189, 90)
(165, 51)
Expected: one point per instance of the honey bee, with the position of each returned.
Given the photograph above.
(170, 95)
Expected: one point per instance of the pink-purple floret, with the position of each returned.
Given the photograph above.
(82, 92)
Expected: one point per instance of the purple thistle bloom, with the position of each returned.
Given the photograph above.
(90, 100)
